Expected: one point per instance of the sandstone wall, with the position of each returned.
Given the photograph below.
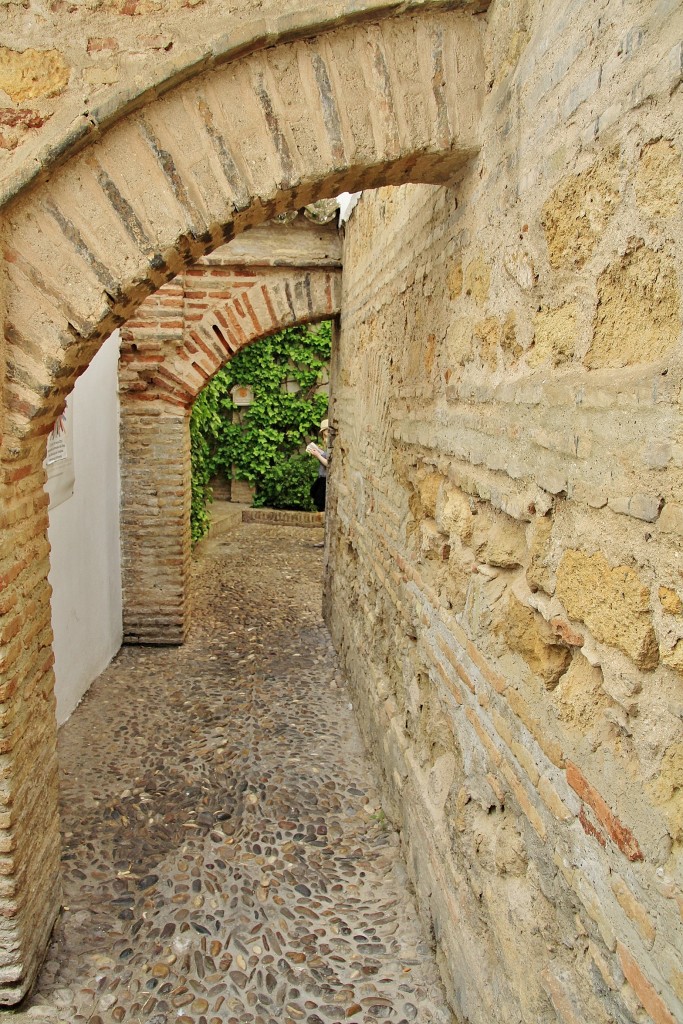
(506, 577)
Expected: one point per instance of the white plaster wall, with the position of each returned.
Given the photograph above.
(85, 558)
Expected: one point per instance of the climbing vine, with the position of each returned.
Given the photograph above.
(264, 445)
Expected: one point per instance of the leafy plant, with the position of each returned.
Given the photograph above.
(287, 484)
(285, 372)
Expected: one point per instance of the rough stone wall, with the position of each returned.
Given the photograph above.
(506, 584)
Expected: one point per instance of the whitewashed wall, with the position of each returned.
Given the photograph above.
(85, 559)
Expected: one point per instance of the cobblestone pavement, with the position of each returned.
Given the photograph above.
(226, 858)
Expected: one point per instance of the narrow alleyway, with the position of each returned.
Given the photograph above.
(226, 857)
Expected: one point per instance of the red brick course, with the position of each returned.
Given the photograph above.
(622, 836)
(643, 988)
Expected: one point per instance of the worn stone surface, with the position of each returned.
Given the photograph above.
(578, 211)
(32, 74)
(638, 313)
(554, 335)
(539, 574)
(528, 634)
(671, 601)
(612, 601)
(477, 278)
(659, 179)
(500, 542)
(493, 338)
(580, 697)
(226, 854)
(668, 786)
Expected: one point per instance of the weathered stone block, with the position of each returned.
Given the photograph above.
(539, 573)
(428, 491)
(502, 544)
(459, 345)
(638, 314)
(555, 333)
(455, 279)
(578, 210)
(477, 279)
(493, 336)
(671, 601)
(453, 513)
(659, 179)
(579, 697)
(671, 519)
(613, 603)
(673, 656)
(31, 74)
(529, 635)
(640, 506)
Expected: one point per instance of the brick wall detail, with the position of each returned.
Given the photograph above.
(183, 334)
(29, 825)
(155, 522)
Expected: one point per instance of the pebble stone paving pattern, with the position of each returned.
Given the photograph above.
(226, 858)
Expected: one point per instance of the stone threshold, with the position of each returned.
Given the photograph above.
(282, 517)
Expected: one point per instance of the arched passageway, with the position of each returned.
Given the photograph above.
(168, 355)
(227, 150)
(506, 512)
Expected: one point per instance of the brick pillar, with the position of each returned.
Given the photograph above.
(155, 520)
(29, 823)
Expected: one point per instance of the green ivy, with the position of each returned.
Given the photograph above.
(266, 447)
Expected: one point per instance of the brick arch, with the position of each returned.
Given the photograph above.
(345, 108)
(220, 41)
(182, 364)
(354, 107)
(162, 372)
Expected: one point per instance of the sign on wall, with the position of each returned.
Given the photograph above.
(59, 461)
(242, 394)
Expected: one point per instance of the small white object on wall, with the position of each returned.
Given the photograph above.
(242, 394)
(59, 461)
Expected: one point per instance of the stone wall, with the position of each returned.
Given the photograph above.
(506, 577)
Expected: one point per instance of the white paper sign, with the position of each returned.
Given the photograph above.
(59, 459)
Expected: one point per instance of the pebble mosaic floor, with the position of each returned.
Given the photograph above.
(226, 858)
